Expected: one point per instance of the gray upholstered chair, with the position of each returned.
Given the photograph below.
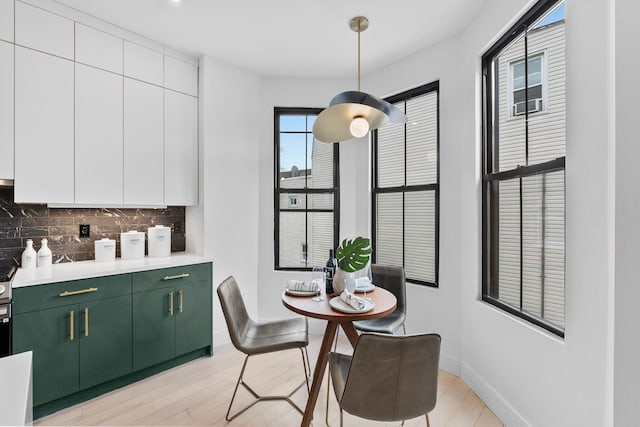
(388, 378)
(251, 338)
(391, 279)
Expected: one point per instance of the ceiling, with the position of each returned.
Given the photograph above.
(297, 38)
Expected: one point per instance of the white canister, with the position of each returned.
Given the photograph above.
(159, 241)
(105, 250)
(132, 245)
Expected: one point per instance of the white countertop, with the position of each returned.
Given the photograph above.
(87, 269)
(15, 393)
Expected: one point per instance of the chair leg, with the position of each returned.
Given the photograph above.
(404, 329)
(258, 398)
(427, 417)
(341, 417)
(326, 409)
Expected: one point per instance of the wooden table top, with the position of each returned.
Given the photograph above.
(384, 301)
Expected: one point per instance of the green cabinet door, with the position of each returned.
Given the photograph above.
(52, 335)
(153, 327)
(193, 318)
(105, 340)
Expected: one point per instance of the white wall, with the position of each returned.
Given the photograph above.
(225, 224)
(627, 211)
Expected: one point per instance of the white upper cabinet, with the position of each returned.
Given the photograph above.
(98, 144)
(43, 128)
(143, 144)
(44, 31)
(98, 49)
(180, 149)
(142, 63)
(6, 110)
(6, 20)
(180, 76)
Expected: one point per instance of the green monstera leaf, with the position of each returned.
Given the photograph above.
(353, 255)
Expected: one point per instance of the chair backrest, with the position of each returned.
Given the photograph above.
(392, 378)
(391, 279)
(234, 310)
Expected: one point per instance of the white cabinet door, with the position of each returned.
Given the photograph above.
(180, 149)
(44, 31)
(142, 63)
(143, 144)
(6, 110)
(99, 146)
(98, 49)
(180, 76)
(6, 20)
(43, 128)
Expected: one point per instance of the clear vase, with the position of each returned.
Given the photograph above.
(344, 280)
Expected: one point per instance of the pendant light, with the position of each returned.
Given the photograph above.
(353, 114)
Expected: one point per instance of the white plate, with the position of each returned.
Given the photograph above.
(301, 293)
(342, 306)
(365, 288)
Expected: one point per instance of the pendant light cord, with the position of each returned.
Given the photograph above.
(359, 31)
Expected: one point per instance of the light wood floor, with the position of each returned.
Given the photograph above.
(197, 394)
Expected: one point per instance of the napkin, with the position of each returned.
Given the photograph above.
(301, 285)
(352, 300)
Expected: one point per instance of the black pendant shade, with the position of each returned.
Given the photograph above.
(333, 123)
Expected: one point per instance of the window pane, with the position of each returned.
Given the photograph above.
(321, 164)
(295, 201)
(389, 246)
(554, 247)
(292, 237)
(422, 140)
(420, 236)
(291, 123)
(320, 235)
(543, 258)
(390, 165)
(509, 241)
(320, 201)
(293, 163)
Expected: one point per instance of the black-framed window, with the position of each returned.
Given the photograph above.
(306, 191)
(406, 189)
(523, 168)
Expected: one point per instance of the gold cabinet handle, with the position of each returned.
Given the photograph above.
(71, 322)
(86, 321)
(177, 276)
(171, 303)
(180, 303)
(81, 291)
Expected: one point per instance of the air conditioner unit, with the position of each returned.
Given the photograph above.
(535, 105)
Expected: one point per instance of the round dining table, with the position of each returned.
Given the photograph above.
(384, 303)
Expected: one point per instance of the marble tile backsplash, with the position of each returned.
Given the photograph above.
(60, 226)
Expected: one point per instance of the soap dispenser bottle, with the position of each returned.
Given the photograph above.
(29, 256)
(44, 254)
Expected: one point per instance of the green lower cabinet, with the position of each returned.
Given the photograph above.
(154, 327)
(92, 335)
(52, 335)
(170, 321)
(76, 346)
(193, 320)
(105, 347)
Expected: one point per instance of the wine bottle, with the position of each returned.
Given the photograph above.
(330, 270)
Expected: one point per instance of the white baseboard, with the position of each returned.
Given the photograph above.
(494, 401)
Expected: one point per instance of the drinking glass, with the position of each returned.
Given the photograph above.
(318, 276)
